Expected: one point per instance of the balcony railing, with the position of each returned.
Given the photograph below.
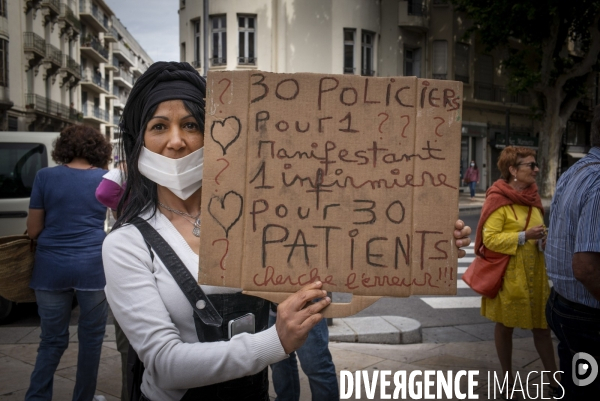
(34, 42)
(120, 46)
(86, 6)
(94, 44)
(367, 73)
(439, 76)
(69, 15)
(71, 65)
(95, 112)
(54, 55)
(116, 120)
(218, 60)
(55, 4)
(44, 105)
(125, 75)
(196, 63)
(96, 80)
(112, 32)
(415, 7)
(247, 60)
(496, 93)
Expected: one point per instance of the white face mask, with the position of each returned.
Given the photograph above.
(472, 164)
(181, 176)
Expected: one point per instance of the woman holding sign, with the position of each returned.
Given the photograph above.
(196, 342)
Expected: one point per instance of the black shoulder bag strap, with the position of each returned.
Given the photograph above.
(189, 286)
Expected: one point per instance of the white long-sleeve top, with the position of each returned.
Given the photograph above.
(158, 319)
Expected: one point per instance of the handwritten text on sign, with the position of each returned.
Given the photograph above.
(345, 179)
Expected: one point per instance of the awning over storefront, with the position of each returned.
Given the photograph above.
(576, 155)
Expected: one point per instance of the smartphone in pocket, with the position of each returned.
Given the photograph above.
(242, 324)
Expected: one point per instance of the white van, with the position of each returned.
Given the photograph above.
(22, 154)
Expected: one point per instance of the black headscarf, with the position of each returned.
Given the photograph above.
(162, 81)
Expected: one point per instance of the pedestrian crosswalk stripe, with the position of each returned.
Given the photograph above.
(453, 302)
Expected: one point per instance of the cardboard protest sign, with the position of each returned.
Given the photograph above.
(345, 179)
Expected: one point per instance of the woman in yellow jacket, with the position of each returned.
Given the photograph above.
(512, 223)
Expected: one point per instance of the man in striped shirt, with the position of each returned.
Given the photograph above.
(573, 264)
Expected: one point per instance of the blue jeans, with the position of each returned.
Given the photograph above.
(316, 363)
(576, 327)
(54, 308)
(472, 188)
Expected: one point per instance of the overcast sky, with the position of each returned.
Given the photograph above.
(153, 23)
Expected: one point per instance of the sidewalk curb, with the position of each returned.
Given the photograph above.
(376, 330)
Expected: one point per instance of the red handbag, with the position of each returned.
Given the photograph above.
(484, 275)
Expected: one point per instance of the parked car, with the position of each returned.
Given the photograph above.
(22, 154)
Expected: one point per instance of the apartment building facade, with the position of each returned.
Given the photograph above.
(65, 62)
(423, 38)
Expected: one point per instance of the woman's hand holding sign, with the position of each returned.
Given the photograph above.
(295, 319)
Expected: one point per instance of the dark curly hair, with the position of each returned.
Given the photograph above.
(82, 141)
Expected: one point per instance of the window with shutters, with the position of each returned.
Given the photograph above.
(412, 62)
(461, 63)
(349, 35)
(219, 40)
(247, 39)
(368, 39)
(440, 59)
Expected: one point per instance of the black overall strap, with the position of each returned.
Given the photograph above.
(193, 292)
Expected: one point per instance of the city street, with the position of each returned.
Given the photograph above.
(455, 336)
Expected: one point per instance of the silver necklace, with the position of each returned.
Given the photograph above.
(196, 223)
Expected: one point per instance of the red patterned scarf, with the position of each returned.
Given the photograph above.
(501, 194)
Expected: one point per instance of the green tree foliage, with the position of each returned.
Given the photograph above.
(550, 50)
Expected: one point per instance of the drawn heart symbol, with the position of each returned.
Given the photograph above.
(226, 132)
(226, 212)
